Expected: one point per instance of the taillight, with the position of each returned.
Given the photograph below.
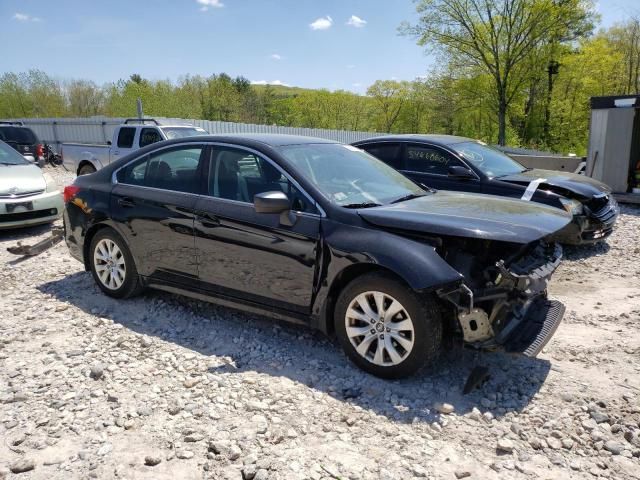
(39, 150)
(70, 191)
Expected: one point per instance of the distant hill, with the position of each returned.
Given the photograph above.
(281, 90)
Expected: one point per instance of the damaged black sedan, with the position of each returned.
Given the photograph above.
(461, 164)
(323, 234)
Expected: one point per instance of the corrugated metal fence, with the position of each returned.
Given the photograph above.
(55, 131)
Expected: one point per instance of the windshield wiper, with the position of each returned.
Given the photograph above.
(407, 197)
(361, 205)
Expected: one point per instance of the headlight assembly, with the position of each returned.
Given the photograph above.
(574, 207)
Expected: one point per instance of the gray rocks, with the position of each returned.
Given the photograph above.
(152, 460)
(616, 448)
(184, 454)
(97, 371)
(22, 465)
(462, 474)
(505, 445)
(444, 408)
(599, 416)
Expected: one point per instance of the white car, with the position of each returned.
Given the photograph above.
(27, 195)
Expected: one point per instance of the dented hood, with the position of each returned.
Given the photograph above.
(470, 215)
(581, 185)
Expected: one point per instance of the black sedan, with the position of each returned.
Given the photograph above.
(323, 234)
(462, 164)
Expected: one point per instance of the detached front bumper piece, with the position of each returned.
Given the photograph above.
(532, 332)
(31, 250)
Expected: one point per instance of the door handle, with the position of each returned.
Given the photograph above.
(117, 152)
(126, 202)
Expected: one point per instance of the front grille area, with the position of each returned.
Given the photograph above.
(17, 217)
(21, 194)
(603, 209)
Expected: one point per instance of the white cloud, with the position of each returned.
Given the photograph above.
(206, 4)
(357, 22)
(351, 67)
(322, 23)
(23, 17)
(275, 56)
(272, 82)
(357, 85)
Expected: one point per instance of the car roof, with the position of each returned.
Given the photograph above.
(269, 139)
(435, 139)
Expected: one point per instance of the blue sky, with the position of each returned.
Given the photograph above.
(333, 44)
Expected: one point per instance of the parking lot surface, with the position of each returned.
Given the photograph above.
(163, 387)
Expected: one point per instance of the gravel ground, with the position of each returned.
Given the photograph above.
(162, 387)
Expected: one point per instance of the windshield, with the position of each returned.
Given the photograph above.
(20, 135)
(181, 132)
(489, 161)
(8, 156)
(350, 177)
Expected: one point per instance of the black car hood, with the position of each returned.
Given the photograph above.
(580, 185)
(470, 215)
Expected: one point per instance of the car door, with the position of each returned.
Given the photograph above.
(430, 165)
(153, 203)
(124, 143)
(248, 255)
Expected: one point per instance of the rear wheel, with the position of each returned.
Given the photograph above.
(112, 265)
(386, 328)
(86, 169)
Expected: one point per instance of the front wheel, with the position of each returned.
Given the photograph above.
(112, 265)
(386, 328)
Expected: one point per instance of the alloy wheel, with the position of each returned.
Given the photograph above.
(109, 263)
(379, 328)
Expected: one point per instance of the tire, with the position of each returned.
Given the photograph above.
(108, 250)
(404, 342)
(86, 170)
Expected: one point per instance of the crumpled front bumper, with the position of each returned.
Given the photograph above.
(513, 313)
(591, 226)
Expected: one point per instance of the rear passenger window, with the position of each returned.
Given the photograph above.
(149, 136)
(429, 160)
(389, 153)
(125, 137)
(176, 169)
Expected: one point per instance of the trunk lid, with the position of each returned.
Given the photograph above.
(470, 215)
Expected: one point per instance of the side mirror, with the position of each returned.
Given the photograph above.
(275, 202)
(462, 173)
(108, 142)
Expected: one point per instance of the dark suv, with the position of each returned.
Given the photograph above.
(22, 139)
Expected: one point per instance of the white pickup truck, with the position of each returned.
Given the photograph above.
(134, 133)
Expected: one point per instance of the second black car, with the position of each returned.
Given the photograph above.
(457, 163)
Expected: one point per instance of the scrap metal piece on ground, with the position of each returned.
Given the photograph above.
(57, 234)
(476, 378)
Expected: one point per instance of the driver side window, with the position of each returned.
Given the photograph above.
(235, 174)
(430, 160)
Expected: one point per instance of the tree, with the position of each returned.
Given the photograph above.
(498, 36)
(389, 96)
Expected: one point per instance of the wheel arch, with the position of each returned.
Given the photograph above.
(84, 163)
(341, 280)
